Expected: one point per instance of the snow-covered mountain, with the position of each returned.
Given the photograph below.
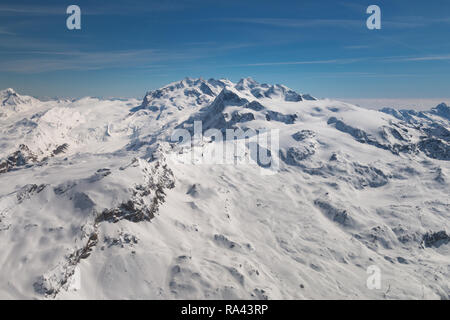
(95, 202)
(9, 98)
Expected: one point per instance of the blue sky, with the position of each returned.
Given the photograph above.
(321, 47)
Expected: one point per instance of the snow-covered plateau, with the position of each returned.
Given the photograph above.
(95, 204)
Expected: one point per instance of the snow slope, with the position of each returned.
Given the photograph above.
(95, 202)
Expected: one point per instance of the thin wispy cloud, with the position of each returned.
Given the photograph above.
(49, 61)
(294, 23)
(281, 63)
(419, 20)
(365, 75)
(428, 58)
(419, 58)
(11, 9)
(73, 60)
(91, 9)
(19, 44)
(39, 59)
(352, 60)
(316, 23)
(5, 31)
(357, 47)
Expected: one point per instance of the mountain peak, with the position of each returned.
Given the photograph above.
(246, 83)
(200, 92)
(8, 91)
(9, 97)
(442, 106)
(188, 81)
(442, 110)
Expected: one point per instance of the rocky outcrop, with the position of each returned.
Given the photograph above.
(24, 157)
(146, 198)
(435, 239)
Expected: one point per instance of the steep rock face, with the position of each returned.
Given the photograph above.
(158, 178)
(24, 157)
(271, 91)
(285, 118)
(228, 111)
(183, 94)
(442, 110)
(19, 158)
(247, 84)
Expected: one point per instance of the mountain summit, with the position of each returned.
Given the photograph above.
(9, 97)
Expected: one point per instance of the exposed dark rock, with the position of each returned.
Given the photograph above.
(238, 117)
(85, 251)
(19, 158)
(193, 190)
(212, 116)
(294, 155)
(435, 137)
(435, 239)
(402, 260)
(341, 216)
(24, 157)
(441, 110)
(435, 148)
(308, 97)
(52, 284)
(60, 149)
(377, 236)
(440, 176)
(28, 190)
(254, 105)
(82, 201)
(64, 187)
(138, 208)
(191, 93)
(276, 116)
(359, 135)
(334, 157)
(206, 89)
(221, 240)
(122, 240)
(370, 176)
(304, 134)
